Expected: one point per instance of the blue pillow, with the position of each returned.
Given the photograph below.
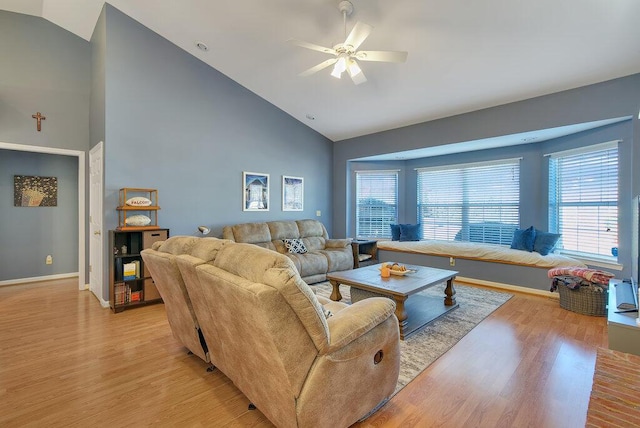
(395, 232)
(545, 242)
(410, 232)
(523, 239)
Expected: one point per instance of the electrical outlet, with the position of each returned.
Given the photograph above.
(49, 260)
(318, 213)
(452, 261)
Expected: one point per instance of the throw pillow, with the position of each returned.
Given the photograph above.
(523, 239)
(395, 232)
(545, 242)
(410, 232)
(295, 246)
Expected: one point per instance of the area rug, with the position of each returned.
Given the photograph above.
(615, 395)
(421, 349)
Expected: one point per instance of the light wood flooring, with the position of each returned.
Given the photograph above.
(67, 362)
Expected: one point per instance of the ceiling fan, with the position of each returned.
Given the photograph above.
(346, 53)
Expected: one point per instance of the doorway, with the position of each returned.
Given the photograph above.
(81, 197)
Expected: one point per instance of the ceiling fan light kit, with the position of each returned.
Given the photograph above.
(347, 53)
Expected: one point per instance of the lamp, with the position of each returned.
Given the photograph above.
(341, 65)
(354, 68)
(204, 230)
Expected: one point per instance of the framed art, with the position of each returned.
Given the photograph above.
(255, 191)
(292, 193)
(33, 191)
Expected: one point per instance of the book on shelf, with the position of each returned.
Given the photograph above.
(121, 294)
(136, 296)
(129, 271)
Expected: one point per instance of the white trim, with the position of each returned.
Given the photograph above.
(469, 165)
(375, 171)
(585, 149)
(509, 287)
(39, 279)
(81, 197)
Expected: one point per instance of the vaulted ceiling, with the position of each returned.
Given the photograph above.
(463, 55)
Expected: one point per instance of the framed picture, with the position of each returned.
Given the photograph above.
(292, 193)
(255, 191)
(33, 191)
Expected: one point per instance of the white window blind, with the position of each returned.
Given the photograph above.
(477, 202)
(376, 203)
(583, 199)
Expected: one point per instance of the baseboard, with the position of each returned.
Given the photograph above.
(509, 287)
(39, 278)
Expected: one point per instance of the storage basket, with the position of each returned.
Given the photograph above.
(586, 300)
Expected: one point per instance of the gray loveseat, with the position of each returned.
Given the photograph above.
(323, 255)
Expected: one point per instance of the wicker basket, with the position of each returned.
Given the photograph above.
(584, 300)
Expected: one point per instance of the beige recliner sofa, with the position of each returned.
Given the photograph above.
(161, 262)
(271, 335)
(323, 255)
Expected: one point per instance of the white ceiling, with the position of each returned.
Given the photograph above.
(463, 54)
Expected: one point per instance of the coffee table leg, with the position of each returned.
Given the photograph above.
(401, 314)
(450, 292)
(335, 294)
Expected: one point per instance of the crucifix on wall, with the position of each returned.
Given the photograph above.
(39, 118)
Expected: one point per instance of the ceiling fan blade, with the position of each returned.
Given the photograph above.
(358, 77)
(383, 56)
(358, 34)
(318, 67)
(312, 46)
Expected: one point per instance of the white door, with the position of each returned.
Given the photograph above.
(95, 220)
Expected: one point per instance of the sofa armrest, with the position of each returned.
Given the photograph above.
(337, 243)
(356, 320)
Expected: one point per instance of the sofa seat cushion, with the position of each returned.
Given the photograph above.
(310, 263)
(338, 259)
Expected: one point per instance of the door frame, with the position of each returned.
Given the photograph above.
(82, 285)
(96, 268)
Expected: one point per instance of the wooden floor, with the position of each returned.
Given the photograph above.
(65, 361)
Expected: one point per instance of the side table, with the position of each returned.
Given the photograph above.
(365, 252)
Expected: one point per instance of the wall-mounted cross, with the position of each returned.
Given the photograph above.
(38, 117)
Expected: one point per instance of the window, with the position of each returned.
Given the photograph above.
(376, 203)
(583, 199)
(477, 202)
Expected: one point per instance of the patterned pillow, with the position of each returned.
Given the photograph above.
(295, 246)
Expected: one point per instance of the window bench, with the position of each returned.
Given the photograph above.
(486, 264)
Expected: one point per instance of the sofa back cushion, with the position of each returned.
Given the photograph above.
(278, 271)
(249, 233)
(283, 230)
(206, 248)
(268, 348)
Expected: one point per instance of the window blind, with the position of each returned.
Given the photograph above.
(376, 203)
(583, 200)
(477, 202)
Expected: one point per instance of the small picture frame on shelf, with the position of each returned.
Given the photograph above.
(255, 191)
(292, 193)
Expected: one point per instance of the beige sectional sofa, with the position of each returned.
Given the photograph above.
(276, 340)
(323, 255)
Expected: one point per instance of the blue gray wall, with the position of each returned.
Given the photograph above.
(174, 124)
(29, 234)
(612, 99)
(46, 69)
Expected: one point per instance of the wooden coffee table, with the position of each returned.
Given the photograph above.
(413, 313)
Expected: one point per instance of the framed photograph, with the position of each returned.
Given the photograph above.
(292, 193)
(255, 191)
